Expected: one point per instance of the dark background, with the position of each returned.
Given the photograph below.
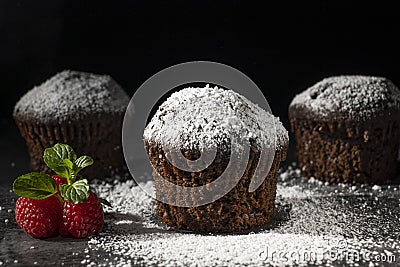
(283, 48)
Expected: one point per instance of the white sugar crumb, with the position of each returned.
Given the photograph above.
(207, 117)
(313, 224)
(349, 97)
(69, 96)
(376, 187)
(284, 176)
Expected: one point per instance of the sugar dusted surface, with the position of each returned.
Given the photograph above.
(206, 117)
(348, 97)
(71, 96)
(331, 221)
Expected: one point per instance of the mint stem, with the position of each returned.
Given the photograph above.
(59, 198)
(68, 179)
(72, 178)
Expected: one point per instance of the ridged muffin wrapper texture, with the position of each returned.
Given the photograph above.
(348, 152)
(94, 137)
(236, 211)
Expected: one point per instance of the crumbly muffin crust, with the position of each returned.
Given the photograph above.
(71, 96)
(352, 97)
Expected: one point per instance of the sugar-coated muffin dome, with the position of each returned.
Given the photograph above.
(352, 97)
(200, 118)
(70, 96)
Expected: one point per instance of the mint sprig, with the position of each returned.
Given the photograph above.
(62, 159)
(35, 185)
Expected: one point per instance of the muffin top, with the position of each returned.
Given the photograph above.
(201, 118)
(356, 98)
(72, 96)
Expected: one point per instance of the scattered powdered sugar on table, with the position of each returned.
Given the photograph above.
(201, 118)
(314, 223)
(71, 95)
(354, 97)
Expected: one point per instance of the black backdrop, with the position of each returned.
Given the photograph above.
(283, 47)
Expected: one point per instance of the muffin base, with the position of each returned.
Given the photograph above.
(348, 152)
(97, 137)
(236, 211)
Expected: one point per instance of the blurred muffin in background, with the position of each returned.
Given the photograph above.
(81, 109)
(348, 129)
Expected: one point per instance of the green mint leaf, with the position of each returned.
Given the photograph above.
(69, 164)
(58, 157)
(83, 162)
(35, 185)
(78, 192)
(105, 202)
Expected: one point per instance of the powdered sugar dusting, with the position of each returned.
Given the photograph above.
(349, 97)
(313, 224)
(206, 117)
(71, 96)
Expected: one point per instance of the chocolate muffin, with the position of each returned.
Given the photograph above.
(80, 109)
(348, 129)
(194, 121)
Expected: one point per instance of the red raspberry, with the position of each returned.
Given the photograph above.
(63, 230)
(39, 218)
(59, 180)
(84, 219)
